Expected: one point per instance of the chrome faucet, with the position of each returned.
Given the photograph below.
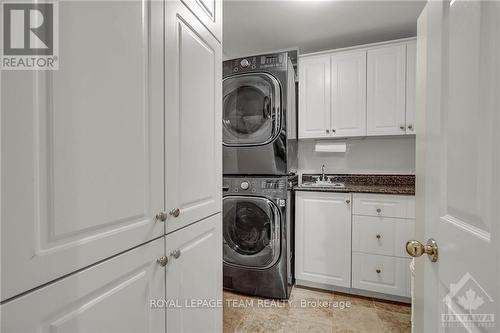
(323, 178)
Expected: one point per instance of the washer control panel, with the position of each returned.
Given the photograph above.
(275, 187)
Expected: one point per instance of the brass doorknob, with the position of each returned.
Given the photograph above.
(415, 249)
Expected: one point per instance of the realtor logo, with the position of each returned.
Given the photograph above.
(468, 304)
(30, 35)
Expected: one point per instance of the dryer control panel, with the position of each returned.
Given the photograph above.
(277, 61)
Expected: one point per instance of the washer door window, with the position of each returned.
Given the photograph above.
(251, 231)
(251, 109)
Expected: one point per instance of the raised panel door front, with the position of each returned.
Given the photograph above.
(113, 296)
(349, 94)
(82, 146)
(386, 90)
(209, 12)
(193, 122)
(411, 86)
(314, 97)
(323, 238)
(194, 273)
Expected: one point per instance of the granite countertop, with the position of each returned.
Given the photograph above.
(384, 184)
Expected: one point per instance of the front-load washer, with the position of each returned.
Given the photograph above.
(258, 234)
(259, 116)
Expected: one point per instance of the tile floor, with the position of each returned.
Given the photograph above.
(312, 311)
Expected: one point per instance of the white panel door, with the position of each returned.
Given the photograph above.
(314, 97)
(209, 12)
(349, 94)
(82, 147)
(323, 238)
(411, 86)
(194, 272)
(112, 296)
(386, 76)
(458, 81)
(193, 118)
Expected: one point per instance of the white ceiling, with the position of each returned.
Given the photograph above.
(252, 27)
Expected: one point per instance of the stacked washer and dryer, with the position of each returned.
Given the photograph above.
(260, 161)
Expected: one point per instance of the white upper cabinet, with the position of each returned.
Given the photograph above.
(82, 146)
(314, 97)
(323, 238)
(362, 92)
(194, 272)
(113, 296)
(209, 12)
(386, 81)
(193, 134)
(411, 86)
(348, 114)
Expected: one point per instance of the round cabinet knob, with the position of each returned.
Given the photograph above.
(402, 127)
(348, 201)
(378, 270)
(175, 212)
(244, 63)
(410, 127)
(334, 131)
(327, 131)
(244, 185)
(176, 253)
(379, 210)
(161, 217)
(163, 261)
(378, 236)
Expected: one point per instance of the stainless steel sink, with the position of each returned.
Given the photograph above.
(323, 183)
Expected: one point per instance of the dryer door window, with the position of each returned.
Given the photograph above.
(251, 109)
(251, 231)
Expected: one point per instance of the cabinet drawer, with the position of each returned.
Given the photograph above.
(401, 206)
(383, 274)
(381, 235)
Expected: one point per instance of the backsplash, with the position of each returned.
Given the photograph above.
(372, 155)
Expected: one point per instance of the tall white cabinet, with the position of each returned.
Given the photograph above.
(82, 150)
(103, 158)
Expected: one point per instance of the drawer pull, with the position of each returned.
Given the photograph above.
(378, 271)
(348, 201)
(379, 210)
(378, 236)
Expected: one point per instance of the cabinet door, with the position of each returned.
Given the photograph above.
(314, 97)
(386, 90)
(82, 146)
(112, 296)
(411, 86)
(349, 94)
(194, 273)
(323, 238)
(209, 12)
(193, 95)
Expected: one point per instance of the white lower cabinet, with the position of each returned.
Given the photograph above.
(381, 274)
(375, 262)
(112, 296)
(194, 274)
(323, 238)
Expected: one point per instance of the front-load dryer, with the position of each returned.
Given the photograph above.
(259, 116)
(257, 233)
